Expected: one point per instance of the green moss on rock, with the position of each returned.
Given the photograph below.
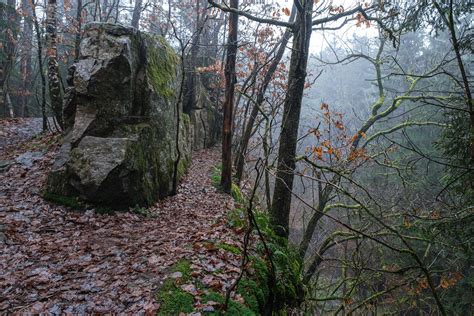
(162, 63)
(69, 201)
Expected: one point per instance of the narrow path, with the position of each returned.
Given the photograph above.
(61, 261)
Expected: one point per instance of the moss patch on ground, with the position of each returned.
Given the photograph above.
(69, 201)
(171, 297)
(236, 194)
(216, 176)
(174, 300)
(234, 308)
(229, 248)
(76, 203)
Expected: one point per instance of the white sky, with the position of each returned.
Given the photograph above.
(319, 38)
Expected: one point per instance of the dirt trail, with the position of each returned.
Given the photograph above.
(56, 260)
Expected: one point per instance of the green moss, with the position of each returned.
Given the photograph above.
(104, 210)
(236, 218)
(141, 210)
(253, 293)
(182, 168)
(185, 119)
(183, 266)
(288, 266)
(216, 176)
(171, 297)
(75, 203)
(229, 248)
(162, 65)
(69, 201)
(234, 189)
(236, 193)
(256, 286)
(234, 308)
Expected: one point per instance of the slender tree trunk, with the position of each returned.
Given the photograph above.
(40, 66)
(105, 11)
(77, 40)
(226, 176)
(53, 68)
(9, 16)
(259, 101)
(137, 11)
(281, 203)
(25, 60)
(467, 90)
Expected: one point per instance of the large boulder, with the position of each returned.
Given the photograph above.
(121, 104)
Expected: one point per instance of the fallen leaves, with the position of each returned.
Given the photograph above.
(55, 260)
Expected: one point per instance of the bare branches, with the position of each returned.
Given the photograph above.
(249, 16)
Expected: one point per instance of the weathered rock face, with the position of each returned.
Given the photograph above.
(121, 104)
(205, 124)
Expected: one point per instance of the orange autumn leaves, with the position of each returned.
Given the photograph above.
(333, 143)
(446, 281)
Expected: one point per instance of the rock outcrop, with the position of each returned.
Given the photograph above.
(121, 104)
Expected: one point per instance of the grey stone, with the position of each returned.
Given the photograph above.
(28, 158)
(121, 149)
(6, 164)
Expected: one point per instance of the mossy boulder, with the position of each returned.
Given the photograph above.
(121, 108)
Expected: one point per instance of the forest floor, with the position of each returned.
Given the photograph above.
(57, 260)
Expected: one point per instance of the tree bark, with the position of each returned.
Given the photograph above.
(226, 176)
(53, 68)
(40, 66)
(25, 60)
(281, 203)
(8, 18)
(77, 40)
(137, 11)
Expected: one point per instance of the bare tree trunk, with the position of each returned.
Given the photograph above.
(40, 66)
(53, 68)
(226, 176)
(281, 203)
(105, 10)
(467, 90)
(260, 98)
(25, 60)
(8, 17)
(137, 11)
(77, 40)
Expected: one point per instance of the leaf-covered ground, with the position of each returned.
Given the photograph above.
(57, 260)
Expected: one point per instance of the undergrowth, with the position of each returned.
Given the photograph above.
(174, 300)
(273, 281)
